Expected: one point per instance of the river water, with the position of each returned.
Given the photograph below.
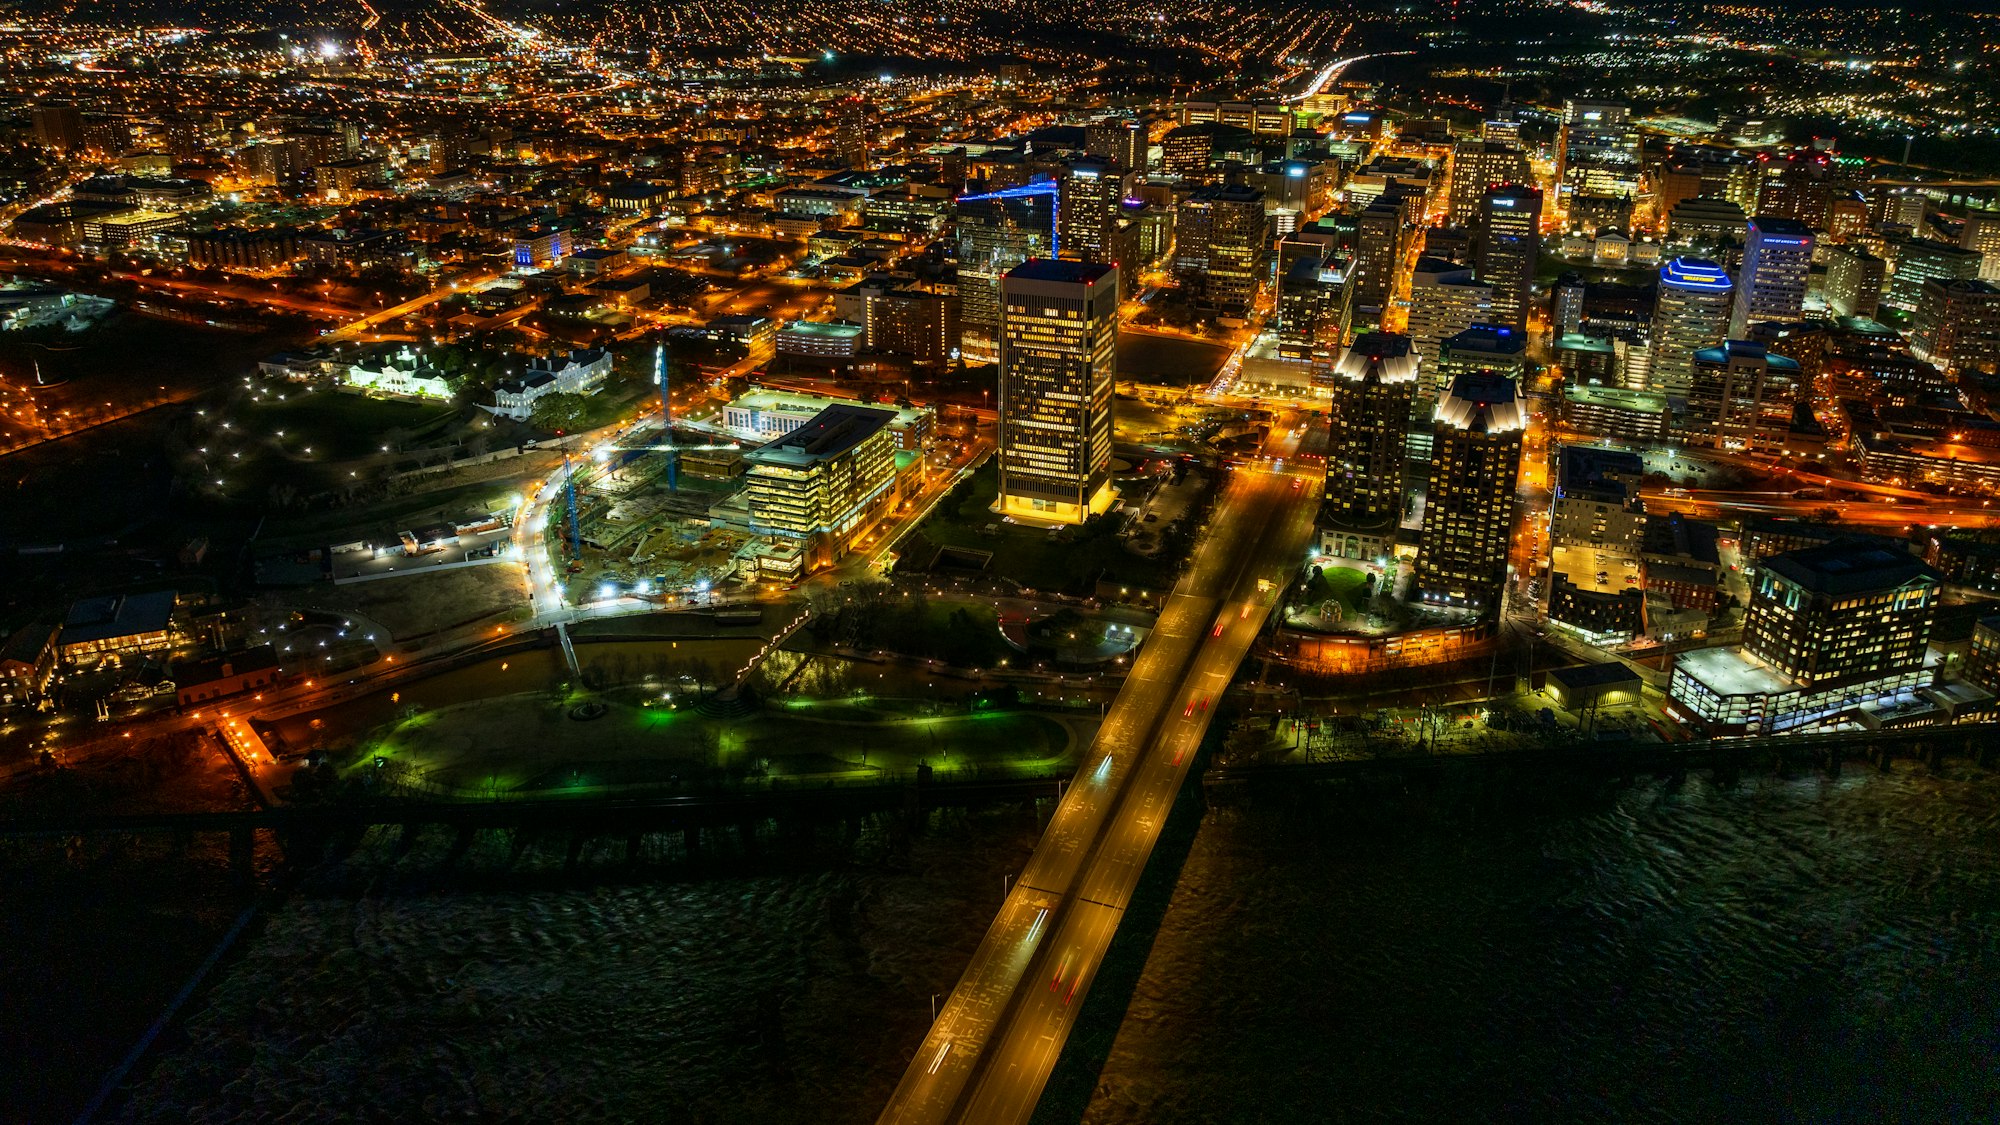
(1779, 950)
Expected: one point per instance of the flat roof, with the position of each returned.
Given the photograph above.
(1847, 566)
(1595, 675)
(841, 329)
(1616, 398)
(117, 615)
(1054, 269)
(1728, 671)
(832, 432)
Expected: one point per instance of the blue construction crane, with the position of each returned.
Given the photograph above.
(569, 491)
(667, 416)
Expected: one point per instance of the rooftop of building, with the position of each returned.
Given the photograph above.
(1489, 339)
(835, 430)
(1678, 537)
(1604, 674)
(1483, 401)
(240, 663)
(1746, 349)
(833, 329)
(1694, 273)
(1587, 466)
(798, 402)
(117, 615)
(1056, 269)
(1851, 566)
(1731, 671)
(1616, 398)
(1781, 226)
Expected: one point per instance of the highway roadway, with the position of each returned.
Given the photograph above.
(992, 1047)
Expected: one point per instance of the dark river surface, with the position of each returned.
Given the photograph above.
(1779, 950)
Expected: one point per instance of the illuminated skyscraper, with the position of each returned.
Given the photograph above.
(1093, 193)
(1476, 168)
(1597, 153)
(850, 135)
(1741, 398)
(1777, 257)
(1507, 249)
(1058, 363)
(1312, 308)
(1117, 139)
(1691, 312)
(996, 232)
(1854, 281)
(1223, 245)
(1367, 419)
(1469, 500)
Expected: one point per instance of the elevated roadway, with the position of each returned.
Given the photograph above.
(990, 1051)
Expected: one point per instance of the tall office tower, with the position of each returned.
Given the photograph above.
(1478, 167)
(1371, 390)
(1093, 192)
(1957, 326)
(1222, 245)
(1920, 260)
(850, 133)
(1597, 153)
(1771, 285)
(1444, 301)
(1501, 132)
(912, 322)
(1378, 249)
(1119, 140)
(1469, 500)
(58, 126)
(1850, 611)
(1982, 237)
(1312, 309)
(1489, 348)
(824, 483)
(1741, 398)
(1507, 248)
(996, 232)
(1854, 281)
(1796, 187)
(1058, 363)
(1191, 151)
(1691, 312)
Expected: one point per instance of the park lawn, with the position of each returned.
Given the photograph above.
(529, 743)
(339, 426)
(1031, 556)
(1346, 582)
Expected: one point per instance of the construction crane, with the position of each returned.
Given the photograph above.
(667, 416)
(569, 496)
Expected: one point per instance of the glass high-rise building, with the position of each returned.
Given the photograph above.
(1470, 497)
(1371, 389)
(1507, 248)
(1690, 312)
(997, 231)
(1092, 197)
(1058, 364)
(1771, 285)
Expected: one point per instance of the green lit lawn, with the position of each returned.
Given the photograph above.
(527, 744)
(1345, 583)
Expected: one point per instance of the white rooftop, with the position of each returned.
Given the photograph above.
(1729, 671)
